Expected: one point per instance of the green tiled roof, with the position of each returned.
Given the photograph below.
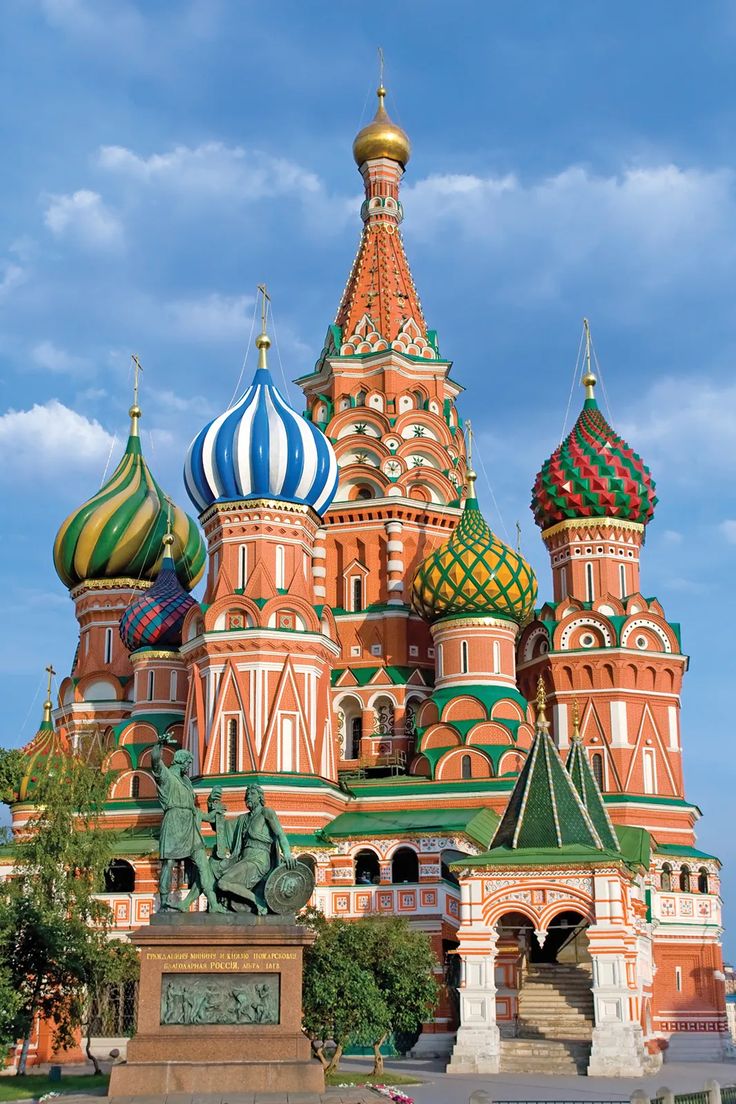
(681, 850)
(584, 781)
(570, 854)
(399, 676)
(479, 824)
(635, 844)
(544, 809)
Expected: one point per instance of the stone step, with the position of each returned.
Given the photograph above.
(556, 1056)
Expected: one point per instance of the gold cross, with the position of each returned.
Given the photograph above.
(50, 672)
(264, 308)
(469, 434)
(380, 66)
(518, 537)
(137, 369)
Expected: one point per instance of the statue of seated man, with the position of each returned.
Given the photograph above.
(254, 840)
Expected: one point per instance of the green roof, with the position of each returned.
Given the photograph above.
(569, 854)
(681, 850)
(545, 809)
(635, 844)
(399, 676)
(478, 824)
(584, 781)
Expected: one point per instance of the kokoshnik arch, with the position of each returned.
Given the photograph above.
(366, 650)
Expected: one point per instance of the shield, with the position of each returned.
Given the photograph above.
(287, 890)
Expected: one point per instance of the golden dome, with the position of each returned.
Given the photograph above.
(381, 138)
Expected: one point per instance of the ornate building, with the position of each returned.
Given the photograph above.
(367, 648)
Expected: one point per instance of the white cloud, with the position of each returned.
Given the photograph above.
(51, 439)
(47, 355)
(212, 170)
(728, 528)
(639, 221)
(672, 536)
(84, 217)
(11, 275)
(211, 317)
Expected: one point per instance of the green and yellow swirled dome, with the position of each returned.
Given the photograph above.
(474, 574)
(118, 533)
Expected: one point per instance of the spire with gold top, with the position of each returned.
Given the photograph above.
(380, 307)
(45, 747)
(118, 533)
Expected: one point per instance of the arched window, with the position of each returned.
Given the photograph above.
(232, 745)
(119, 877)
(665, 880)
(151, 685)
(496, 657)
(466, 767)
(135, 787)
(243, 566)
(364, 493)
(440, 660)
(622, 578)
(703, 880)
(280, 567)
(684, 879)
(589, 591)
(174, 685)
(357, 593)
(360, 398)
(464, 657)
(108, 645)
(356, 734)
(596, 763)
(405, 866)
(367, 868)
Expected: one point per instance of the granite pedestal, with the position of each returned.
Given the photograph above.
(219, 1008)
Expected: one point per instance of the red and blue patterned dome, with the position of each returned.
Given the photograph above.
(155, 619)
(594, 473)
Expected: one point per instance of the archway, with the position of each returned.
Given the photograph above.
(119, 877)
(405, 866)
(566, 940)
(367, 868)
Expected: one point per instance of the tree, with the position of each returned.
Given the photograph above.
(9, 1007)
(341, 1001)
(54, 930)
(364, 979)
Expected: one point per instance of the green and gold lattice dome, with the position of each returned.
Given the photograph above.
(474, 574)
(118, 533)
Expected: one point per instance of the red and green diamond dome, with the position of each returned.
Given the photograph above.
(593, 473)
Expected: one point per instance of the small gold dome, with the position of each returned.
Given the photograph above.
(381, 138)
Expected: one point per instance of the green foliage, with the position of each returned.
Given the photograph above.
(10, 1002)
(12, 766)
(364, 979)
(54, 932)
(36, 1085)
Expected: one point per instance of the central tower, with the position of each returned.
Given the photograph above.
(383, 395)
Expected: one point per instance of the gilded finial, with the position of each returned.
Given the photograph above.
(168, 536)
(135, 410)
(518, 537)
(589, 379)
(471, 476)
(263, 341)
(48, 704)
(381, 91)
(541, 705)
(575, 720)
(381, 137)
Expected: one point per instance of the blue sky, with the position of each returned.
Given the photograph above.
(570, 158)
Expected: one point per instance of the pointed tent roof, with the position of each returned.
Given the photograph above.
(581, 773)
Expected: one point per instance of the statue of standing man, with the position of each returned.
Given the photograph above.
(181, 834)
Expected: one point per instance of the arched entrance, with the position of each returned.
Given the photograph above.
(545, 980)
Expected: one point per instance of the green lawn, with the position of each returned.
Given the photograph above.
(343, 1078)
(18, 1088)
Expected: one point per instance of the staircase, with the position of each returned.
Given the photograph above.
(555, 1023)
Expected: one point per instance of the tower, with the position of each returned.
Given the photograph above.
(383, 395)
(107, 553)
(600, 640)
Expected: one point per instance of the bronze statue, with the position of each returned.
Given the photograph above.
(254, 841)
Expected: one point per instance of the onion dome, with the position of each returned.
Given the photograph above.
(261, 448)
(117, 534)
(474, 574)
(42, 752)
(155, 618)
(593, 473)
(381, 138)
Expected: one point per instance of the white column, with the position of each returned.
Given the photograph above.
(395, 563)
(478, 1044)
(319, 571)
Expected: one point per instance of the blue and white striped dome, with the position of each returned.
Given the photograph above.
(261, 448)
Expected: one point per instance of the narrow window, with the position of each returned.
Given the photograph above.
(496, 658)
(357, 594)
(356, 732)
(563, 582)
(173, 685)
(597, 765)
(650, 771)
(466, 767)
(622, 577)
(243, 566)
(86, 643)
(703, 880)
(685, 879)
(232, 745)
(666, 878)
(678, 978)
(439, 660)
(590, 595)
(287, 744)
(464, 657)
(135, 787)
(151, 685)
(280, 568)
(108, 645)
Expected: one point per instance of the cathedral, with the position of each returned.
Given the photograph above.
(504, 770)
